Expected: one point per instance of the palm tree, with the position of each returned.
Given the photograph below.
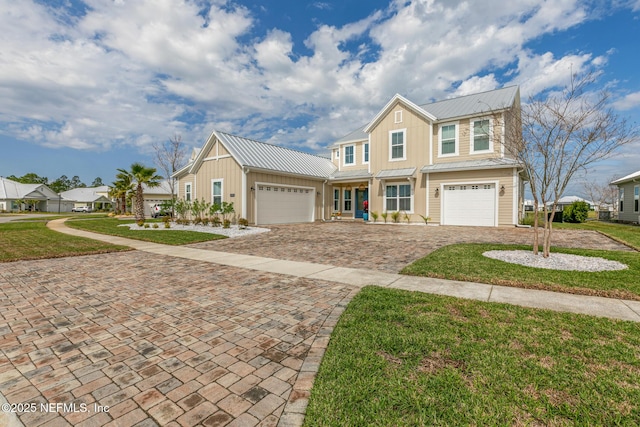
(122, 187)
(141, 175)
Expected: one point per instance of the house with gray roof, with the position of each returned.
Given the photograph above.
(447, 160)
(16, 196)
(94, 198)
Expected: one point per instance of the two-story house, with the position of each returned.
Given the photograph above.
(448, 160)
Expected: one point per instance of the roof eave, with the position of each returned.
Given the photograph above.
(398, 98)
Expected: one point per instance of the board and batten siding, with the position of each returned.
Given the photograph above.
(226, 169)
(502, 176)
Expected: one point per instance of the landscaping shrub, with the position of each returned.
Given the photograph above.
(576, 212)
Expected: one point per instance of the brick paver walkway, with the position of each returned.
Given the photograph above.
(159, 340)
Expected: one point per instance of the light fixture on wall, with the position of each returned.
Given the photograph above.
(361, 187)
(253, 189)
(502, 188)
(437, 192)
(348, 188)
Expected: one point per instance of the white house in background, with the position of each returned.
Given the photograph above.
(15, 196)
(568, 200)
(93, 197)
(153, 195)
(629, 197)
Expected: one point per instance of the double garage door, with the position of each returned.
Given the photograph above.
(469, 204)
(280, 204)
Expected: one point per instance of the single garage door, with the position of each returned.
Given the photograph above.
(279, 204)
(473, 204)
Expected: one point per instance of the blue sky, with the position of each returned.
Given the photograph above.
(86, 86)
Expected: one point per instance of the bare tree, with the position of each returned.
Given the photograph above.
(602, 195)
(170, 157)
(563, 134)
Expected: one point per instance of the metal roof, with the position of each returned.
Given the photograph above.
(16, 190)
(470, 165)
(477, 103)
(256, 154)
(87, 194)
(396, 173)
(351, 174)
(630, 177)
(357, 135)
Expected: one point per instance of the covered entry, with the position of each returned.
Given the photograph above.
(469, 204)
(281, 204)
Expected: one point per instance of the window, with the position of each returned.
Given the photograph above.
(336, 200)
(349, 157)
(398, 198)
(398, 116)
(365, 153)
(621, 200)
(448, 140)
(636, 197)
(396, 145)
(481, 135)
(187, 192)
(337, 154)
(216, 191)
(347, 200)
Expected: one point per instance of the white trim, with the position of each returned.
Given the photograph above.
(221, 181)
(427, 198)
(457, 139)
(477, 182)
(408, 104)
(404, 144)
(344, 155)
(244, 192)
(344, 199)
(472, 150)
(369, 164)
(516, 194)
(397, 116)
(366, 162)
(224, 156)
(333, 200)
(430, 143)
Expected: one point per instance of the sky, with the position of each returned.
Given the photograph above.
(87, 86)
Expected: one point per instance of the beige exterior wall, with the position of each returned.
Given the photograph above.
(188, 178)
(499, 176)
(262, 177)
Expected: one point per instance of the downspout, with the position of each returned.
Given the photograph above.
(323, 208)
(245, 171)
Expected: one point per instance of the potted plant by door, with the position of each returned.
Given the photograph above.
(365, 208)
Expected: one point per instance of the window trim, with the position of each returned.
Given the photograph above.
(221, 181)
(456, 139)
(345, 200)
(472, 146)
(404, 145)
(397, 116)
(188, 194)
(411, 197)
(353, 155)
(365, 153)
(621, 200)
(336, 200)
(636, 198)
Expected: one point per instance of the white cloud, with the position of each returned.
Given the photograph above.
(628, 102)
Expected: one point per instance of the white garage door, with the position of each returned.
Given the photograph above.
(279, 204)
(473, 204)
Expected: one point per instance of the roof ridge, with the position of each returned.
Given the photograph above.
(468, 95)
(271, 145)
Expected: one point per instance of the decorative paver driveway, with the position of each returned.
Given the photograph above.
(159, 340)
(385, 247)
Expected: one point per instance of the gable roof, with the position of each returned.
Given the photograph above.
(16, 190)
(631, 177)
(408, 104)
(477, 103)
(87, 194)
(267, 157)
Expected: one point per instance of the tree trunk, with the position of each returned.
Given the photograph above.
(536, 239)
(139, 203)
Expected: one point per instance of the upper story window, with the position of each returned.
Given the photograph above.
(397, 149)
(448, 136)
(349, 155)
(365, 153)
(481, 136)
(187, 192)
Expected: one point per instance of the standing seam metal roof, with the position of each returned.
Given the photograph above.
(261, 155)
(477, 103)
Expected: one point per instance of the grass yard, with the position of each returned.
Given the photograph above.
(168, 237)
(471, 266)
(33, 240)
(399, 358)
(625, 233)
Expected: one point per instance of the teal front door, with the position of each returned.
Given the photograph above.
(361, 196)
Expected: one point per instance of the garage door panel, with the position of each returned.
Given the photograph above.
(473, 204)
(277, 204)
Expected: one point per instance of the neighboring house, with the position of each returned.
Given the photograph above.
(153, 195)
(628, 197)
(447, 160)
(94, 197)
(15, 196)
(565, 201)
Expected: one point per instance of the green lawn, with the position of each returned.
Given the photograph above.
(625, 233)
(470, 265)
(168, 237)
(33, 240)
(398, 358)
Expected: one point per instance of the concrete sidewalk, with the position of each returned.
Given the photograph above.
(557, 301)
